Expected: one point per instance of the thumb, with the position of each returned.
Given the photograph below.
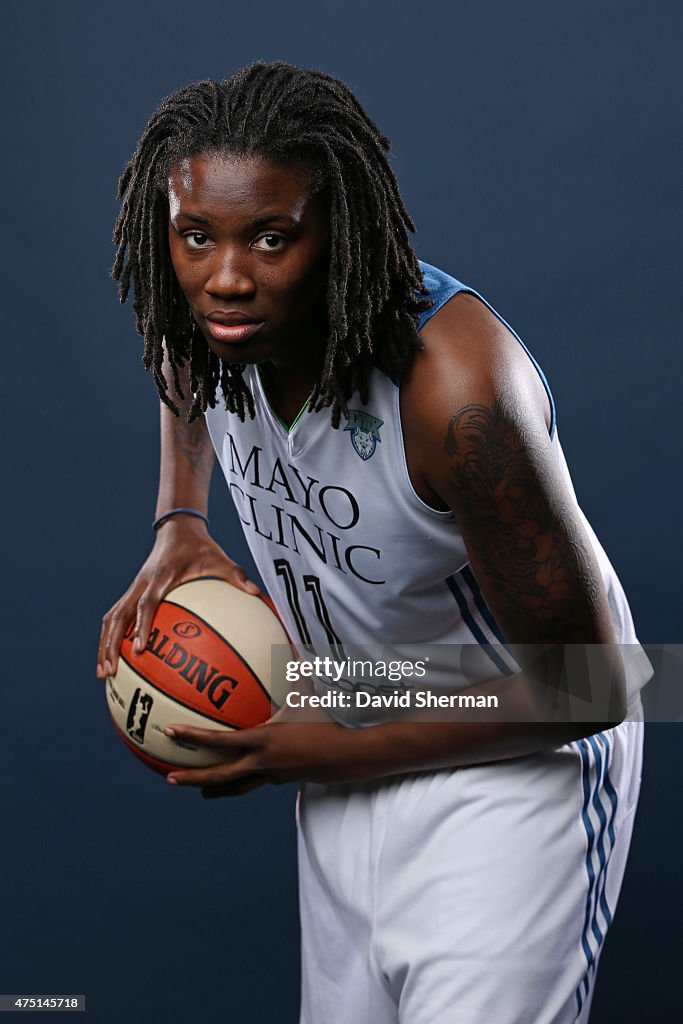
(240, 580)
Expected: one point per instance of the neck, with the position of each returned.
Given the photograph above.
(289, 378)
(288, 387)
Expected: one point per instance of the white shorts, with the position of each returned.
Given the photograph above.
(475, 896)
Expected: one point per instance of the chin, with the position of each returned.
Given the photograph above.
(236, 352)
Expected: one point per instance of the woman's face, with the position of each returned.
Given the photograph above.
(249, 246)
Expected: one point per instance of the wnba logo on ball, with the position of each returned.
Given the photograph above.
(189, 630)
(140, 707)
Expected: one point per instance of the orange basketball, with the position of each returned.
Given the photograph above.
(207, 663)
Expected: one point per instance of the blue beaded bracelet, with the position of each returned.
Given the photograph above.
(176, 511)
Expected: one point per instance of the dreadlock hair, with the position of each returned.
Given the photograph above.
(286, 114)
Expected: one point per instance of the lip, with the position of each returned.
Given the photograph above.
(238, 331)
(230, 316)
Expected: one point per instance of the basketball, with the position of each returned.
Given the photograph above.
(207, 663)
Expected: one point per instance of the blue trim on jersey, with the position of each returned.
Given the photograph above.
(611, 793)
(582, 990)
(481, 604)
(600, 846)
(474, 627)
(590, 832)
(442, 287)
(596, 883)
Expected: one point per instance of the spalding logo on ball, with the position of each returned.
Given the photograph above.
(207, 663)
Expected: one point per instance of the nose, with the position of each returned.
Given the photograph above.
(229, 274)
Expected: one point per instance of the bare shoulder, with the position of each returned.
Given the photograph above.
(470, 355)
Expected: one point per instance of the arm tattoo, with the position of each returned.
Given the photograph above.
(524, 539)
(192, 440)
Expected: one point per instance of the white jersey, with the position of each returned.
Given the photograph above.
(431, 896)
(346, 548)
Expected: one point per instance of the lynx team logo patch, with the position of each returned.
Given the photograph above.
(364, 432)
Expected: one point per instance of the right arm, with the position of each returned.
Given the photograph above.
(183, 548)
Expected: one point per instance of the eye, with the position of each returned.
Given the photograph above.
(269, 243)
(196, 239)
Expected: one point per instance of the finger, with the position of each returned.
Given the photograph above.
(216, 775)
(121, 624)
(114, 626)
(144, 616)
(102, 650)
(235, 739)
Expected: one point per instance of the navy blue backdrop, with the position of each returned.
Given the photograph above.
(538, 147)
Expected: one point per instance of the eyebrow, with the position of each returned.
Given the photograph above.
(193, 216)
(276, 216)
(257, 222)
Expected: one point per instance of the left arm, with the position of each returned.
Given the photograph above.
(474, 409)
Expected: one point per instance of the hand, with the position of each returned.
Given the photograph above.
(183, 550)
(326, 752)
(276, 752)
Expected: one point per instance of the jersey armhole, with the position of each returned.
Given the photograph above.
(415, 497)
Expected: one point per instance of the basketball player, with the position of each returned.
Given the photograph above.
(392, 452)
